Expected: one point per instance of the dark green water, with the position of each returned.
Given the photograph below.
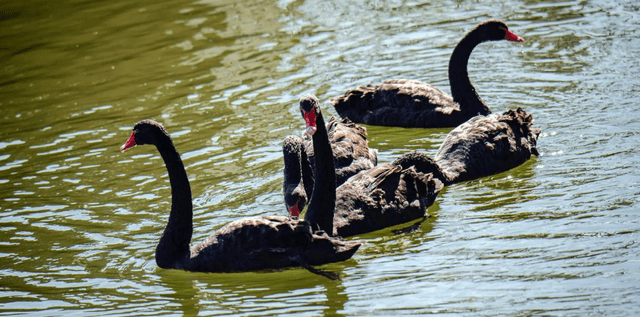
(79, 220)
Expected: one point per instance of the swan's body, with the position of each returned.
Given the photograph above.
(268, 242)
(411, 103)
(383, 196)
(351, 154)
(482, 146)
(373, 199)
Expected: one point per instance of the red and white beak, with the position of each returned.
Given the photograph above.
(310, 119)
(130, 143)
(294, 211)
(510, 36)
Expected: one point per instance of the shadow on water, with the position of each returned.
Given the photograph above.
(498, 192)
(272, 292)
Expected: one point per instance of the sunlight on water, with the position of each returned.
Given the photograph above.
(80, 220)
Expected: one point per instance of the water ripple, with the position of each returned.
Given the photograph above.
(556, 235)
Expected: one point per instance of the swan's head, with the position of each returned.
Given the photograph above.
(310, 109)
(145, 132)
(295, 196)
(295, 201)
(494, 30)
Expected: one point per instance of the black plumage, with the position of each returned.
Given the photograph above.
(411, 103)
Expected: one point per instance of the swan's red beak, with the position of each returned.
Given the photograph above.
(130, 143)
(294, 211)
(310, 119)
(510, 36)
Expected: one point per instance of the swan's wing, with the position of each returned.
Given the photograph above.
(351, 152)
(268, 242)
(400, 103)
(422, 163)
(486, 145)
(383, 196)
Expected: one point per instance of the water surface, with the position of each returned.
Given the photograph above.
(80, 220)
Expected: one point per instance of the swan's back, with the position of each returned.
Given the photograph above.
(383, 196)
(400, 103)
(351, 152)
(422, 163)
(487, 145)
(268, 242)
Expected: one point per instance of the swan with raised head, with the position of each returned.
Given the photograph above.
(267, 242)
(351, 154)
(380, 197)
(411, 103)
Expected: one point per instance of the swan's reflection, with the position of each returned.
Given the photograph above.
(270, 292)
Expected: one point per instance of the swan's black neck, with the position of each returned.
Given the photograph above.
(173, 247)
(462, 90)
(323, 199)
(292, 161)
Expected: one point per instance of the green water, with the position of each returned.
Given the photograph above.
(79, 220)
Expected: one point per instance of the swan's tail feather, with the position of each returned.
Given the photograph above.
(328, 249)
(382, 175)
(521, 123)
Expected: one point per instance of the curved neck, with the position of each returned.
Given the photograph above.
(462, 90)
(174, 244)
(292, 167)
(323, 199)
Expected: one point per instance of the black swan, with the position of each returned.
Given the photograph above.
(351, 154)
(411, 103)
(373, 199)
(298, 178)
(482, 146)
(267, 242)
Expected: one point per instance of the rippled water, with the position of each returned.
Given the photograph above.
(555, 236)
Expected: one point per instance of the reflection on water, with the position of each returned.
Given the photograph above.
(80, 220)
(258, 293)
